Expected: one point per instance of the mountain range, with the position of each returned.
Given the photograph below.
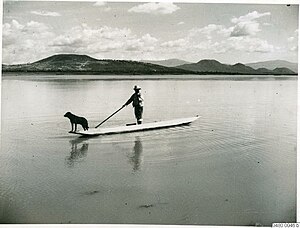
(215, 67)
(83, 64)
(271, 65)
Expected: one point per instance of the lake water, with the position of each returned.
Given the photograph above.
(236, 165)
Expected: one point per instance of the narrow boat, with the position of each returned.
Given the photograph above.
(140, 127)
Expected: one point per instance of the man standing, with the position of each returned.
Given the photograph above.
(137, 103)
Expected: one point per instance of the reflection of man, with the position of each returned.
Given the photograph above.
(137, 152)
(137, 103)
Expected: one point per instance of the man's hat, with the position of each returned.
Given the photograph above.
(136, 87)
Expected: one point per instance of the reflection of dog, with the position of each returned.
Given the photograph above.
(77, 120)
(79, 149)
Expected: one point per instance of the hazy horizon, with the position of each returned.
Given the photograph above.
(159, 60)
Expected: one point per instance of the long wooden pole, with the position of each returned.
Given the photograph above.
(110, 116)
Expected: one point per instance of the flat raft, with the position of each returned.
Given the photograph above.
(133, 128)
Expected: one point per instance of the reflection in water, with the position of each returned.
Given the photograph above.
(208, 173)
(136, 157)
(77, 152)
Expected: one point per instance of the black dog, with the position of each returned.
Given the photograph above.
(77, 120)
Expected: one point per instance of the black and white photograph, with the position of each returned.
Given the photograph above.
(158, 113)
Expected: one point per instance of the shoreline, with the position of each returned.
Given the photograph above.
(44, 76)
(136, 74)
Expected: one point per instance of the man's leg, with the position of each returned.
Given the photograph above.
(138, 111)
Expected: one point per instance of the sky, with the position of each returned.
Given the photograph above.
(229, 33)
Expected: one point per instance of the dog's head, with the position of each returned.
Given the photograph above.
(68, 114)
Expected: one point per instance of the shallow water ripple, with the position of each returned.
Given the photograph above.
(230, 167)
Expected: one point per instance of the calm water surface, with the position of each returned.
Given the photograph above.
(236, 165)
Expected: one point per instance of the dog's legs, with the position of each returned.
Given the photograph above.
(71, 126)
(75, 127)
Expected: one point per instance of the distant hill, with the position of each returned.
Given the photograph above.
(83, 64)
(211, 66)
(271, 65)
(283, 70)
(167, 62)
